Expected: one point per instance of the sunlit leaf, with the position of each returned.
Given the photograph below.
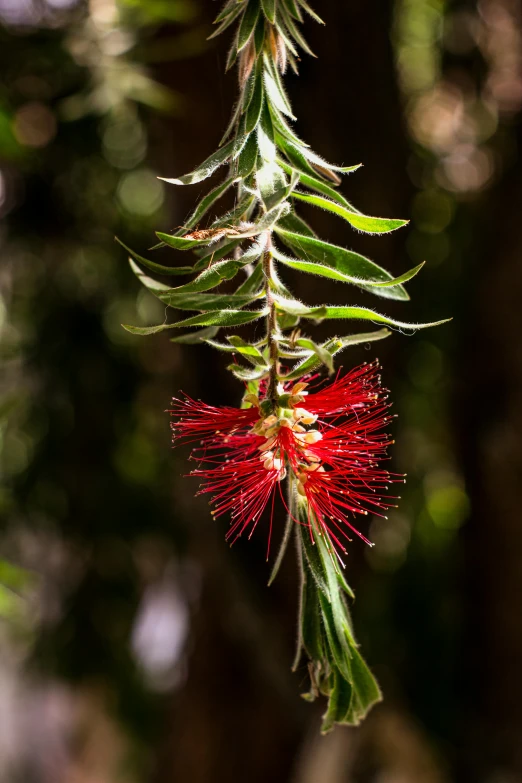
(207, 168)
(335, 346)
(248, 23)
(160, 269)
(193, 338)
(361, 270)
(223, 318)
(269, 9)
(370, 225)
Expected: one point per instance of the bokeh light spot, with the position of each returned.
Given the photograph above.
(34, 125)
(140, 192)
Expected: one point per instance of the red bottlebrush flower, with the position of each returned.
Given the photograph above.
(330, 441)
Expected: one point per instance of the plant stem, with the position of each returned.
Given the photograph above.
(271, 323)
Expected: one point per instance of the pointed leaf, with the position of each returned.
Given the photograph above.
(205, 301)
(248, 23)
(275, 90)
(205, 204)
(352, 313)
(255, 108)
(158, 268)
(248, 374)
(304, 5)
(253, 283)
(370, 225)
(207, 168)
(209, 278)
(193, 338)
(223, 318)
(294, 31)
(246, 349)
(247, 159)
(334, 346)
(321, 187)
(227, 21)
(269, 9)
(361, 270)
(322, 270)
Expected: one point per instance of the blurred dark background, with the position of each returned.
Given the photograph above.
(135, 646)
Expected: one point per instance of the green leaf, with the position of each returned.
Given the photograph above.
(180, 243)
(153, 285)
(255, 108)
(232, 53)
(205, 204)
(303, 157)
(293, 9)
(209, 278)
(253, 283)
(248, 23)
(227, 21)
(339, 701)
(223, 318)
(283, 129)
(269, 9)
(246, 373)
(304, 5)
(321, 187)
(311, 633)
(259, 36)
(248, 158)
(158, 268)
(290, 524)
(370, 225)
(295, 225)
(229, 7)
(238, 214)
(352, 313)
(322, 270)
(204, 301)
(215, 253)
(294, 31)
(269, 179)
(252, 353)
(293, 152)
(265, 136)
(345, 265)
(323, 354)
(282, 193)
(207, 168)
(334, 346)
(193, 338)
(275, 90)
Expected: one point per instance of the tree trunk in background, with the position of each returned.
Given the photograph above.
(489, 411)
(239, 715)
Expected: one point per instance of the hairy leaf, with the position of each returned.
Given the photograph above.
(269, 9)
(248, 23)
(247, 373)
(207, 168)
(334, 346)
(226, 20)
(222, 318)
(255, 108)
(205, 301)
(361, 270)
(370, 225)
(158, 268)
(322, 270)
(193, 338)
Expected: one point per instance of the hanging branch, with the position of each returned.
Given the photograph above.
(329, 451)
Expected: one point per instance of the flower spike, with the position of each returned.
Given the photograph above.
(325, 442)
